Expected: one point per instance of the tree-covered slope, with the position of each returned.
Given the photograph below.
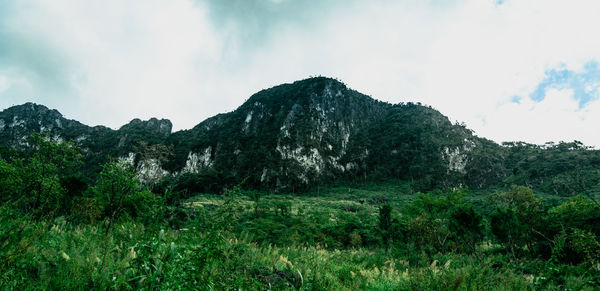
(314, 131)
(99, 143)
(286, 136)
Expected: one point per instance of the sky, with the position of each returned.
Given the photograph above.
(511, 70)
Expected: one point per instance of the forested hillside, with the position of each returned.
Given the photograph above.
(294, 137)
(306, 186)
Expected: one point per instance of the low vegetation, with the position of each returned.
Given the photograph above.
(59, 230)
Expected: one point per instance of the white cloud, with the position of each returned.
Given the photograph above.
(128, 59)
(489, 54)
(556, 118)
(467, 58)
(4, 84)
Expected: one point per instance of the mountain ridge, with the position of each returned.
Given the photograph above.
(288, 138)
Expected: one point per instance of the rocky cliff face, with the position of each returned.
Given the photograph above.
(284, 138)
(98, 143)
(19, 122)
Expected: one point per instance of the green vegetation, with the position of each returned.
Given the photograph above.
(307, 135)
(58, 231)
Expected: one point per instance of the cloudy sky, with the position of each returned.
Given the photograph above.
(511, 70)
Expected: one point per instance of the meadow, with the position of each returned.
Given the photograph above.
(330, 240)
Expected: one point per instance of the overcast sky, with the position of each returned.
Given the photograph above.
(511, 70)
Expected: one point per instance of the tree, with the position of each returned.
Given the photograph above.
(10, 181)
(385, 223)
(519, 219)
(31, 181)
(466, 224)
(439, 221)
(519, 198)
(116, 184)
(507, 228)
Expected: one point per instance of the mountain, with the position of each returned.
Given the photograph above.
(17, 123)
(287, 136)
(314, 131)
(317, 130)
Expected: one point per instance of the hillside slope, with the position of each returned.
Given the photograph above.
(310, 132)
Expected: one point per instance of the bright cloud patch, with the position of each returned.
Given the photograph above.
(585, 84)
(565, 106)
(479, 62)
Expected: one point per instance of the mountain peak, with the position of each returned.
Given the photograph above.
(19, 122)
(320, 92)
(31, 109)
(153, 125)
(283, 138)
(31, 115)
(321, 79)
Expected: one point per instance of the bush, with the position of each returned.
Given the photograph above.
(144, 206)
(86, 210)
(467, 227)
(575, 246)
(507, 229)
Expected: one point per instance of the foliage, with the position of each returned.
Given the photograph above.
(565, 169)
(467, 226)
(66, 256)
(576, 246)
(118, 193)
(116, 234)
(32, 181)
(507, 228)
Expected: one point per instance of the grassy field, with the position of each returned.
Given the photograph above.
(327, 240)
(59, 231)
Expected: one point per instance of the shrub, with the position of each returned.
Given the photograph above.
(467, 227)
(86, 210)
(575, 246)
(507, 229)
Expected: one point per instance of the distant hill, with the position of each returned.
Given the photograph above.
(310, 132)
